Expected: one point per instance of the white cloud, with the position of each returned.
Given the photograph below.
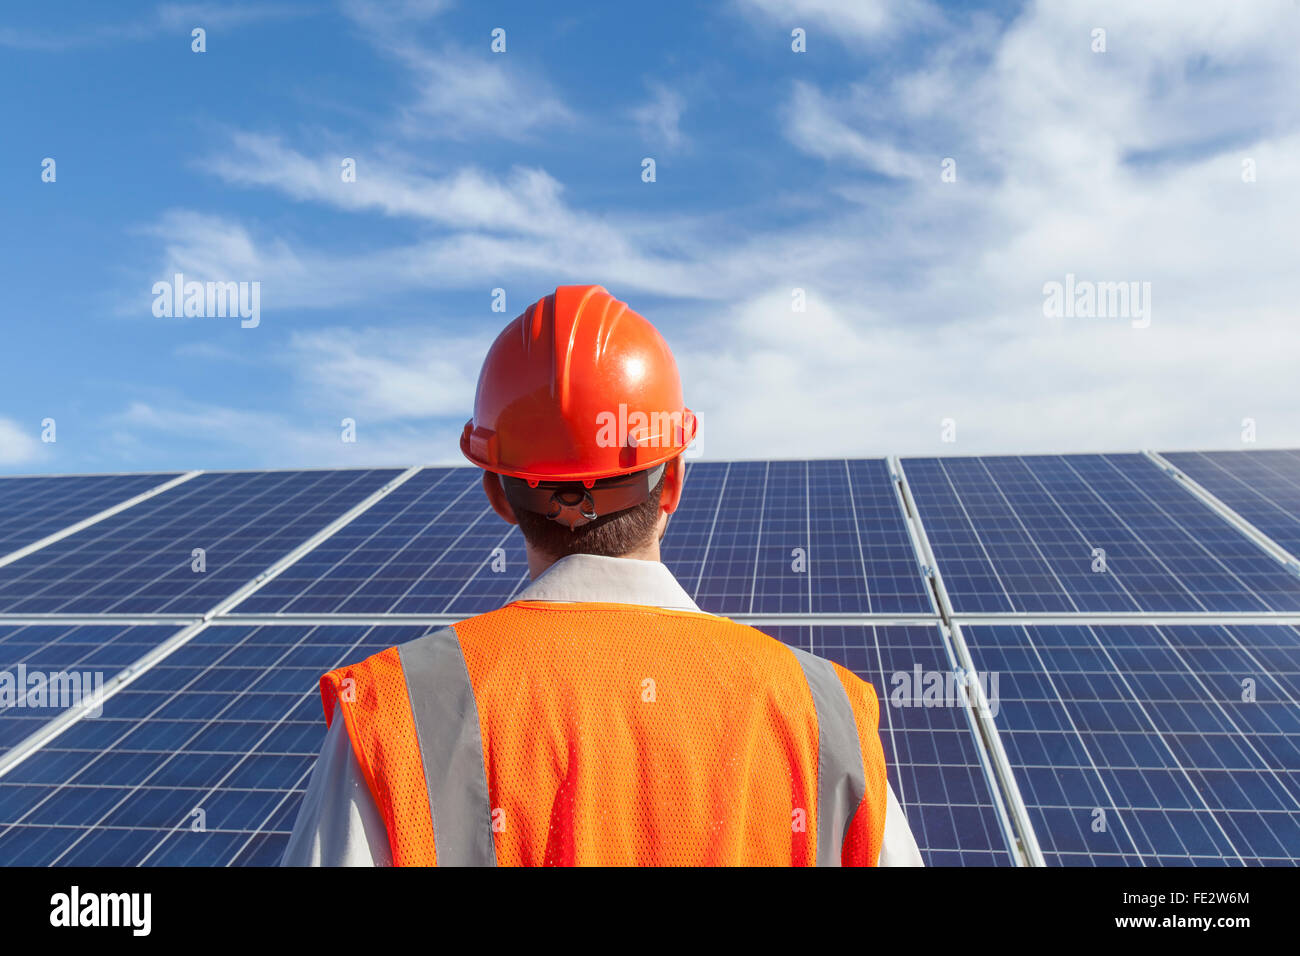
(177, 18)
(816, 127)
(460, 94)
(17, 444)
(388, 374)
(848, 20)
(925, 298)
(660, 118)
(1117, 166)
(274, 440)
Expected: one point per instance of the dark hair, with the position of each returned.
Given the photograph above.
(612, 535)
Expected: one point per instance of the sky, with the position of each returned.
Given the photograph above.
(858, 215)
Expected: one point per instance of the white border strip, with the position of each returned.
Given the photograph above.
(72, 529)
(1274, 550)
(442, 620)
(1032, 855)
(1154, 619)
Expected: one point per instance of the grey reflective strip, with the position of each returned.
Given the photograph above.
(841, 781)
(451, 748)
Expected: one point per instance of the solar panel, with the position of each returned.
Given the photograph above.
(1152, 745)
(142, 559)
(1134, 743)
(201, 761)
(1086, 533)
(54, 666)
(1261, 486)
(932, 757)
(795, 537)
(427, 547)
(33, 508)
(828, 537)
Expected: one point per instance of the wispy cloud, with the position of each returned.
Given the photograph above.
(660, 119)
(848, 20)
(18, 445)
(177, 18)
(215, 434)
(461, 92)
(816, 127)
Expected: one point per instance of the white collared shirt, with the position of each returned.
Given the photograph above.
(339, 823)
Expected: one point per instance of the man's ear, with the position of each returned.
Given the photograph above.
(674, 477)
(496, 496)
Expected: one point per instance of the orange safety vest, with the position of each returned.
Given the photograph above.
(551, 733)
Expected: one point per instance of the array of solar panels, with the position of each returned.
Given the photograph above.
(1170, 734)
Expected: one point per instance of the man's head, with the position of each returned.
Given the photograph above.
(580, 426)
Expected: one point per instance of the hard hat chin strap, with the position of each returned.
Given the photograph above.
(573, 504)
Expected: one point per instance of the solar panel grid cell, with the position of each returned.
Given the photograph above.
(1134, 745)
(143, 560)
(54, 666)
(1086, 534)
(200, 762)
(1261, 486)
(33, 508)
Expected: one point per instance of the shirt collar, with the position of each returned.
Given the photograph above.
(590, 577)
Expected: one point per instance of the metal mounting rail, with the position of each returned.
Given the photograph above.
(1027, 844)
(101, 620)
(1271, 547)
(1154, 618)
(129, 674)
(442, 620)
(72, 529)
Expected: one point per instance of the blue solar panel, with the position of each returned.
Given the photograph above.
(140, 560)
(794, 537)
(1086, 533)
(32, 508)
(54, 666)
(427, 547)
(228, 725)
(931, 753)
(750, 537)
(1141, 745)
(1261, 486)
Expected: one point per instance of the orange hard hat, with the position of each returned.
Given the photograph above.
(578, 388)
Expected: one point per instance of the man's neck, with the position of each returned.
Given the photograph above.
(539, 562)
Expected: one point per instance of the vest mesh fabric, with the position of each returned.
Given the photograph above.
(372, 696)
(620, 735)
(616, 734)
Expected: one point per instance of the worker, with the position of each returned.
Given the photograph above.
(600, 717)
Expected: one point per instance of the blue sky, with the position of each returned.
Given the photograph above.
(775, 171)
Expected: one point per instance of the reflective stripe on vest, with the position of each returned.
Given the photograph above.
(614, 734)
(841, 784)
(446, 722)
